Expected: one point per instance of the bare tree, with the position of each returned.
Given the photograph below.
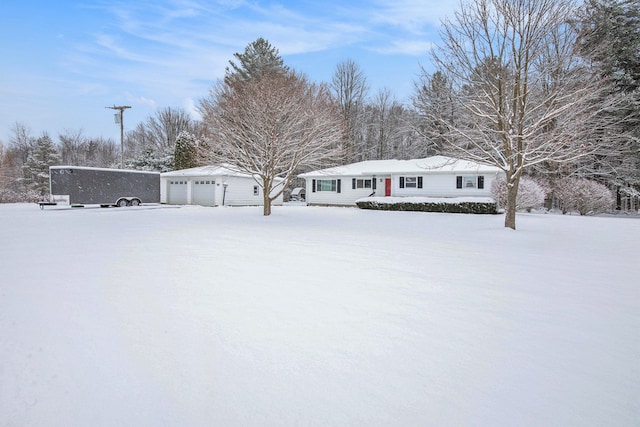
(433, 97)
(270, 126)
(522, 95)
(166, 125)
(151, 144)
(77, 149)
(21, 142)
(350, 88)
(71, 147)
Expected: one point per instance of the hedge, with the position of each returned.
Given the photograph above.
(430, 206)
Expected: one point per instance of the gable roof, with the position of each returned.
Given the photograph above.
(434, 164)
(209, 170)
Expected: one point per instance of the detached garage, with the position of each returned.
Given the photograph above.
(211, 185)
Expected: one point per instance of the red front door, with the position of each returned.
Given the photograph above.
(387, 187)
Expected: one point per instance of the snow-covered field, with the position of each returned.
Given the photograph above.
(165, 316)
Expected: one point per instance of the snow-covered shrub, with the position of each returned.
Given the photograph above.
(584, 196)
(530, 193)
(11, 196)
(437, 205)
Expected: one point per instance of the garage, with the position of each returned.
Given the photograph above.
(212, 185)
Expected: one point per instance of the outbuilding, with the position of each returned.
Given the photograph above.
(437, 176)
(212, 185)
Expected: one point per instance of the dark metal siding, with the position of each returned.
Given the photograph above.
(104, 186)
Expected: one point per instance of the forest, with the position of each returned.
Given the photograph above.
(544, 89)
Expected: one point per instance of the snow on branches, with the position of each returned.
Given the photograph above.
(270, 126)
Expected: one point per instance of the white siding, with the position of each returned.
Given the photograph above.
(443, 185)
(347, 195)
(433, 185)
(240, 192)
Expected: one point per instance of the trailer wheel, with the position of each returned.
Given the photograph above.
(121, 203)
(135, 202)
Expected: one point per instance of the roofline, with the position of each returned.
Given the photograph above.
(90, 168)
(420, 171)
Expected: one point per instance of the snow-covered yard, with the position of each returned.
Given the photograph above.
(165, 316)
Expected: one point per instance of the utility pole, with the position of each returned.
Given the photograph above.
(119, 119)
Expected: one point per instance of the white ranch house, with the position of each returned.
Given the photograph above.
(437, 176)
(213, 185)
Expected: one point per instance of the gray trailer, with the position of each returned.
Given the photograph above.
(78, 185)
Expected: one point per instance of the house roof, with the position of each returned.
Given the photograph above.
(209, 170)
(435, 164)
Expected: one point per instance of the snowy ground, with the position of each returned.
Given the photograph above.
(316, 317)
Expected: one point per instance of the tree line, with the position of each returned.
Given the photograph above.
(543, 89)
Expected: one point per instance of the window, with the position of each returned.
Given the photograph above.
(256, 190)
(470, 181)
(325, 185)
(360, 183)
(410, 182)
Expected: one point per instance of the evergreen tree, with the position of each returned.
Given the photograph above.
(610, 35)
(259, 57)
(610, 40)
(185, 151)
(36, 169)
(151, 159)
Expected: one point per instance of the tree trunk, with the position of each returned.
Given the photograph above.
(510, 209)
(267, 205)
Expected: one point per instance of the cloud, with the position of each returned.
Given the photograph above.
(413, 15)
(408, 47)
(189, 106)
(141, 100)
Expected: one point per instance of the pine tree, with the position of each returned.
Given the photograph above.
(36, 169)
(185, 151)
(259, 57)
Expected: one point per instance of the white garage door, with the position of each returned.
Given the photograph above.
(177, 192)
(203, 192)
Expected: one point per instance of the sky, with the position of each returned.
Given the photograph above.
(65, 61)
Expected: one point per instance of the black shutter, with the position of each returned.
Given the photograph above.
(458, 182)
(353, 184)
(402, 182)
(373, 182)
(313, 185)
(481, 181)
(419, 182)
(338, 186)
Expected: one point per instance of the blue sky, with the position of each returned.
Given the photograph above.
(65, 61)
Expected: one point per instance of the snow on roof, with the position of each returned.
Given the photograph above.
(435, 164)
(209, 170)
